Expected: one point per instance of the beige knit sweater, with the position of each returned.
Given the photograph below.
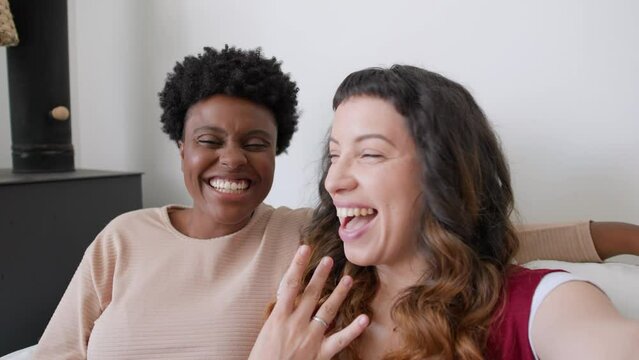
(145, 291)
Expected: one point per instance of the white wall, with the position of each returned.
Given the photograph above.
(5, 128)
(560, 81)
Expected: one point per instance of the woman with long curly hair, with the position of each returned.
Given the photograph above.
(409, 254)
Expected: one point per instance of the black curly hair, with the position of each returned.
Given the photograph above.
(235, 72)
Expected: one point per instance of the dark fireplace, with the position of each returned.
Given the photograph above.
(38, 72)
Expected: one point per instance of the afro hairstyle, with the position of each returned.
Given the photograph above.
(234, 72)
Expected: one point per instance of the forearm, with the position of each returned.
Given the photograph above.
(615, 238)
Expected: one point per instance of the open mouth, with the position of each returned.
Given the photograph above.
(230, 186)
(352, 219)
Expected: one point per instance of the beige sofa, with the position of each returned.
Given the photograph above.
(618, 277)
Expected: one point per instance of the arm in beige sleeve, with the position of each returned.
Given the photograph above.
(565, 242)
(67, 334)
(579, 242)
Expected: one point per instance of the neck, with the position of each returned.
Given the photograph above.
(190, 223)
(380, 336)
(395, 278)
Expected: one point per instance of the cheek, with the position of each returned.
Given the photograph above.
(264, 164)
(403, 182)
(194, 161)
(404, 197)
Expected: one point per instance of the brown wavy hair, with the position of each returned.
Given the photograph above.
(467, 201)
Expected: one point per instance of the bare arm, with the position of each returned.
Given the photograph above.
(578, 321)
(615, 238)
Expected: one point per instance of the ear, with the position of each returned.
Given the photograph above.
(180, 144)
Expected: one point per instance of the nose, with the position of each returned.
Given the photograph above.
(340, 177)
(232, 157)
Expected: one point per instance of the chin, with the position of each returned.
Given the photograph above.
(357, 258)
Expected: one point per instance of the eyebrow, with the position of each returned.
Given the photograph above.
(254, 132)
(209, 128)
(366, 137)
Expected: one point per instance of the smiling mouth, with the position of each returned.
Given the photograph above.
(230, 186)
(352, 219)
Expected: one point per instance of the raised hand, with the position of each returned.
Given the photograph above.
(293, 332)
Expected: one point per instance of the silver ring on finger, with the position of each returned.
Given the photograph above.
(321, 321)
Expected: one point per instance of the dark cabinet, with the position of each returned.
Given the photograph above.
(46, 223)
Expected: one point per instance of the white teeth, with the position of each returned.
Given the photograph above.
(229, 186)
(347, 212)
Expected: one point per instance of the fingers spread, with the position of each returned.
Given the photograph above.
(329, 309)
(338, 341)
(291, 282)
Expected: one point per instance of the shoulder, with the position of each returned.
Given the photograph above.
(283, 229)
(285, 212)
(129, 227)
(509, 332)
(524, 290)
(139, 222)
(286, 219)
(521, 283)
(577, 320)
(519, 275)
(136, 216)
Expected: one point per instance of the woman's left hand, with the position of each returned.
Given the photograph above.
(292, 331)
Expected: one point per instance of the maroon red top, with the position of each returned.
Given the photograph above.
(508, 336)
